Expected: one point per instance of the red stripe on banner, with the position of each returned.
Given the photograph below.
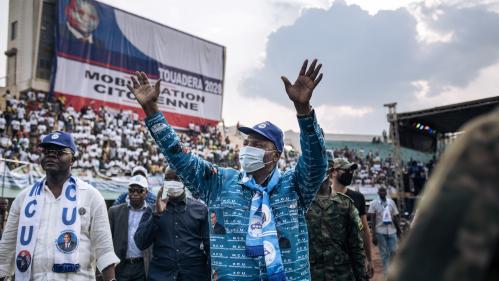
(174, 119)
(105, 65)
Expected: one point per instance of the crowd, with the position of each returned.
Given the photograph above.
(109, 142)
(376, 171)
(74, 215)
(251, 223)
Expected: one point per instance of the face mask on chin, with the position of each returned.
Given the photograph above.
(174, 188)
(251, 158)
(346, 178)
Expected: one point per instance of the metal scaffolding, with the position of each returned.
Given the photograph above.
(397, 161)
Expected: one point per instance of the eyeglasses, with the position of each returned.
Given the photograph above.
(136, 190)
(56, 151)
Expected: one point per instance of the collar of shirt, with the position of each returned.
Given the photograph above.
(179, 206)
(78, 34)
(139, 209)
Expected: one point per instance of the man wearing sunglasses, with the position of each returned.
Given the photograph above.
(57, 206)
(124, 220)
(150, 197)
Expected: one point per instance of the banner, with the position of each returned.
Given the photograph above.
(98, 47)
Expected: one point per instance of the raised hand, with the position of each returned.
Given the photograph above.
(145, 94)
(301, 91)
(160, 202)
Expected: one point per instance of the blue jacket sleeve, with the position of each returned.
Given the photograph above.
(200, 176)
(121, 199)
(311, 168)
(144, 236)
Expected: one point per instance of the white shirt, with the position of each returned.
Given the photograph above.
(20, 112)
(26, 126)
(134, 217)
(42, 129)
(60, 125)
(96, 245)
(16, 125)
(377, 207)
(51, 121)
(5, 142)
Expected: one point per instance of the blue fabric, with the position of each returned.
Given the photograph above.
(65, 268)
(261, 239)
(60, 138)
(269, 131)
(387, 244)
(229, 202)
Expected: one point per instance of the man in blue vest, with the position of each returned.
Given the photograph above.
(258, 202)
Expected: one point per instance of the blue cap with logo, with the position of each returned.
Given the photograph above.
(268, 131)
(59, 138)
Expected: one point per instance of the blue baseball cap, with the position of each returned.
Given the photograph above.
(268, 131)
(61, 139)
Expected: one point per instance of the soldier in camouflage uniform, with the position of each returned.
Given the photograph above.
(456, 233)
(334, 229)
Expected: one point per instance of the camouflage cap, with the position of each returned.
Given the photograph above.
(330, 155)
(343, 164)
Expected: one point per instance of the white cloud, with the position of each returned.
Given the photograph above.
(484, 86)
(244, 28)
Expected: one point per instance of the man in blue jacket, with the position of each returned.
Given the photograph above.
(254, 204)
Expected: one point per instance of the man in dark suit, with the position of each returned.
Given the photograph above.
(124, 220)
(217, 227)
(178, 231)
(67, 245)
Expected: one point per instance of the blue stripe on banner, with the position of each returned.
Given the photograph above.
(109, 47)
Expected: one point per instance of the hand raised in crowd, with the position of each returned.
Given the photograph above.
(160, 202)
(145, 94)
(301, 91)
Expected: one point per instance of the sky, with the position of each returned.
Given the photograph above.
(419, 54)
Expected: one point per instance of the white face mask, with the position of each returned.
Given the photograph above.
(251, 158)
(173, 188)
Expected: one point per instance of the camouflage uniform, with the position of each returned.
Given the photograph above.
(456, 232)
(336, 247)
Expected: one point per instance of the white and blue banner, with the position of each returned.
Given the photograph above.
(98, 47)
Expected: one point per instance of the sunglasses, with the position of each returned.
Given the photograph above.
(136, 190)
(57, 151)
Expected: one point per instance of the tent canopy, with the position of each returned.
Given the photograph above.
(439, 120)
